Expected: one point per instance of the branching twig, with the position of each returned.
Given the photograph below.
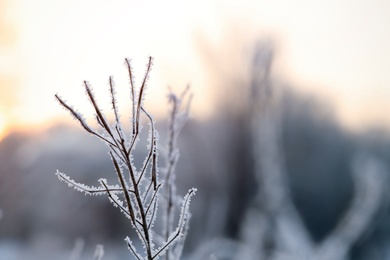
(139, 207)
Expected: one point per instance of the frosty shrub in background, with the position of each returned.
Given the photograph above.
(272, 227)
(139, 194)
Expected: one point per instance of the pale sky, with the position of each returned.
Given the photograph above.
(338, 49)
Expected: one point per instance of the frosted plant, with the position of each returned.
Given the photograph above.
(77, 249)
(281, 233)
(272, 228)
(138, 192)
(99, 252)
(177, 121)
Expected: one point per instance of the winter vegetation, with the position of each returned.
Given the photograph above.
(280, 232)
(278, 179)
(144, 197)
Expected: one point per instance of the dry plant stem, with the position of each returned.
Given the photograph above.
(127, 196)
(140, 202)
(129, 70)
(182, 222)
(177, 120)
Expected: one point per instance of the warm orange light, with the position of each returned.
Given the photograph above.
(3, 127)
(55, 48)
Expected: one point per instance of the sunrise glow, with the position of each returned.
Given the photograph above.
(55, 48)
(2, 127)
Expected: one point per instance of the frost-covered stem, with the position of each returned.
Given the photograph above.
(152, 154)
(177, 120)
(124, 188)
(137, 104)
(132, 89)
(77, 249)
(169, 192)
(277, 215)
(169, 216)
(141, 208)
(181, 225)
(99, 252)
(369, 179)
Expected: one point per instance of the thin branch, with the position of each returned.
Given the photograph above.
(84, 188)
(153, 214)
(132, 248)
(81, 119)
(147, 191)
(182, 220)
(114, 200)
(152, 153)
(141, 95)
(120, 156)
(113, 101)
(132, 89)
(97, 109)
(124, 187)
(153, 197)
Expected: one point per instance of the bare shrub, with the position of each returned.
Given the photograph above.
(139, 193)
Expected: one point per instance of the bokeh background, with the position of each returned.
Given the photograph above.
(330, 62)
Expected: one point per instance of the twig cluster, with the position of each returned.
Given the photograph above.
(140, 189)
